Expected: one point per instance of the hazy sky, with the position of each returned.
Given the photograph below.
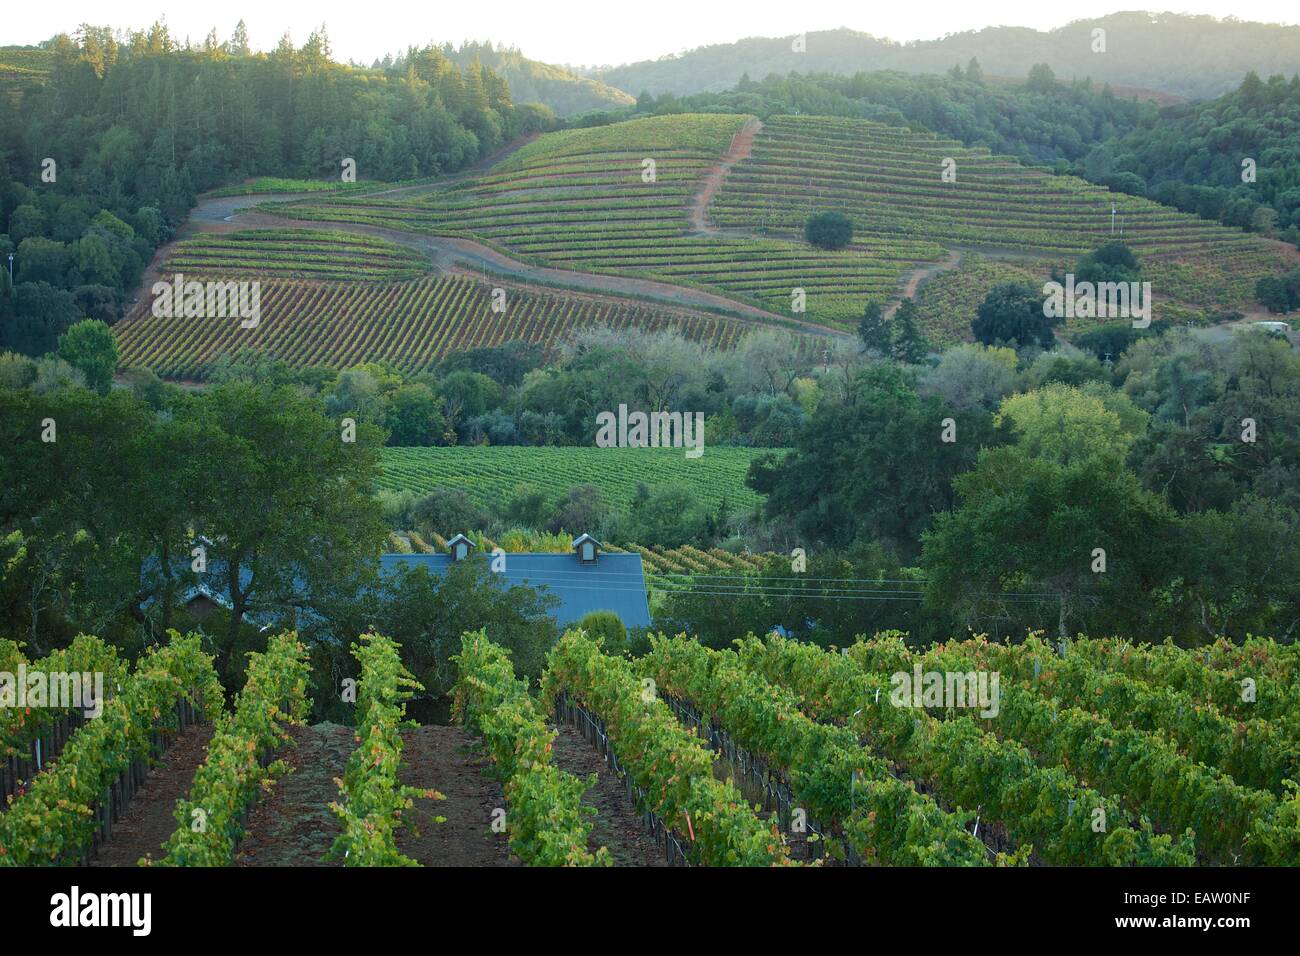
(580, 31)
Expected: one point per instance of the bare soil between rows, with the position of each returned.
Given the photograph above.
(293, 825)
(617, 824)
(150, 818)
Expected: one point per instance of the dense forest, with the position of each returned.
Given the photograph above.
(100, 161)
(1194, 156)
(531, 81)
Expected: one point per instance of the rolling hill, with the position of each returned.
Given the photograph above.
(725, 208)
(532, 81)
(1192, 56)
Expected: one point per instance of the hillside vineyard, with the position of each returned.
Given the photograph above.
(814, 451)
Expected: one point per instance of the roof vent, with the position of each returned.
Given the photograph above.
(460, 547)
(586, 548)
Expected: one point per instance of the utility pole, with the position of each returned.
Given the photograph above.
(11, 273)
(1112, 219)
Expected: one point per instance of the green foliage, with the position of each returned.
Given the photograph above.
(487, 474)
(1113, 340)
(829, 230)
(971, 376)
(296, 253)
(606, 627)
(291, 491)
(832, 775)
(53, 822)
(873, 330)
(899, 338)
(122, 190)
(1176, 793)
(233, 776)
(547, 821)
(1044, 809)
(416, 326)
(1255, 752)
(1182, 160)
(415, 416)
(668, 515)
(19, 726)
(1279, 293)
(1067, 424)
(1110, 262)
(1031, 524)
(421, 611)
(909, 344)
(1012, 314)
(670, 764)
(532, 83)
(372, 798)
(446, 512)
(871, 466)
(90, 347)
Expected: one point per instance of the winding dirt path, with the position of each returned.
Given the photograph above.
(917, 277)
(453, 255)
(742, 144)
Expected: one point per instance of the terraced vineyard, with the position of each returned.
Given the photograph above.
(888, 180)
(688, 560)
(489, 475)
(577, 199)
(275, 184)
(296, 254)
(410, 324)
(947, 302)
(22, 67)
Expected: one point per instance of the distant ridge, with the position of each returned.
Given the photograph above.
(532, 81)
(1188, 56)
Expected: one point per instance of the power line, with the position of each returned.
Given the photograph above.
(745, 584)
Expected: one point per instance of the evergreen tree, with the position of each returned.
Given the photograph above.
(237, 45)
(873, 330)
(909, 344)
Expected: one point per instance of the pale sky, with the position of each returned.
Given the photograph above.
(581, 32)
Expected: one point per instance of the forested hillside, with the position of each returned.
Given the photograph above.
(531, 81)
(136, 129)
(1194, 56)
(1235, 158)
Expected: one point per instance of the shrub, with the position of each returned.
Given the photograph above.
(608, 627)
(829, 230)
